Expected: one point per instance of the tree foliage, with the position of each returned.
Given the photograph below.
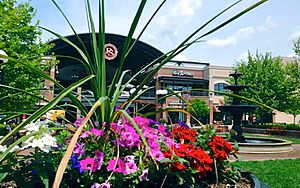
(270, 81)
(20, 39)
(199, 108)
(296, 47)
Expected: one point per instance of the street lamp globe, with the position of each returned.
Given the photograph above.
(2, 52)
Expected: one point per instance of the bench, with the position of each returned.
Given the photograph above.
(275, 129)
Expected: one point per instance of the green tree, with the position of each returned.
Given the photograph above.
(293, 72)
(296, 47)
(200, 109)
(268, 81)
(20, 39)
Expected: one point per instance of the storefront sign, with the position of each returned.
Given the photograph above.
(111, 51)
(182, 73)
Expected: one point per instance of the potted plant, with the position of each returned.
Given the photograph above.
(110, 147)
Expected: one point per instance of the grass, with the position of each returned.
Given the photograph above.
(274, 173)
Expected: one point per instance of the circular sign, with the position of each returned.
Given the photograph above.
(110, 51)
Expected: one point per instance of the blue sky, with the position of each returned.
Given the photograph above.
(272, 27)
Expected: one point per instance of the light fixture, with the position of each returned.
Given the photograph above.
(2, 52)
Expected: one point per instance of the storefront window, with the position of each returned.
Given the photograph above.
(220, 87)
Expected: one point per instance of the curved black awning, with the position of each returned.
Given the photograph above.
(70, 71)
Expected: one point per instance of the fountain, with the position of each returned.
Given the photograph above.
(236, 109)
(250, 144)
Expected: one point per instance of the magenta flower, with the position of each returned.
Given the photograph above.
(78, 122)
(130, 168)
(141, 121)
(89, 164)
(102, 185)
(162, 130)
(153, 144)
(119, 167)
(97, 132)
(85, 134)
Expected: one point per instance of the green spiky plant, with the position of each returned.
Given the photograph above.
(106, 96)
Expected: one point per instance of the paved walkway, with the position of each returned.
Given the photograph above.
(295, 154)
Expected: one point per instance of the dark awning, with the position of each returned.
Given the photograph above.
(182, 80)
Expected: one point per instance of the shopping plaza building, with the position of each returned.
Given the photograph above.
(179, 76)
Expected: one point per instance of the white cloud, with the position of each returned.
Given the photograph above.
(177, 14)
(267, 25)
(243, 33)
(232, 40)
(217, 42)
(180, 57)
(186, 8)
(295, 35)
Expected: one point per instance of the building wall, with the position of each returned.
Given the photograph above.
(217, 74)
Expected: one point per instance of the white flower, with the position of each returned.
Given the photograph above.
(45, 142)
(32, 127)
(3, 148)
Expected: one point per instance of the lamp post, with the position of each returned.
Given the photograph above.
(211, 112)
(2, 60)
(161, 93)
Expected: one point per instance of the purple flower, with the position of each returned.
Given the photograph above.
(144, 176)
(102, 185)
(75, 162)
(130, 168)
(182, 123)
(99, 156)
(78, 149)
(152, 122)
(129, 158)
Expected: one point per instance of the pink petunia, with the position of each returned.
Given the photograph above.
(120, 165)
(141, 121)
(89, 164)
(85, 134)
(97, 132)
(157, 154)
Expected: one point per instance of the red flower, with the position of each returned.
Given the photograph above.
(184, 134)
(198, 159)
(220, 148)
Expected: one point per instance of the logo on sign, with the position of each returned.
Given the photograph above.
(110, 51)
(182, 73)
